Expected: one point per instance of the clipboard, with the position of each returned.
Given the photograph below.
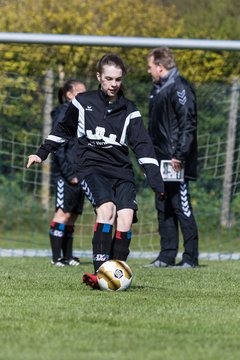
(168, 174)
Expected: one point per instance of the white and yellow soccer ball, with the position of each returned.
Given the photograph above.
(114, 275)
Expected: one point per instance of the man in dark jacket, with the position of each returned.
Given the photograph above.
(173, 129)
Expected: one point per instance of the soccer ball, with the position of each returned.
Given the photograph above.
(114, 275)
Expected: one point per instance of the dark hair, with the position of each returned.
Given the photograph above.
(163, 56)
(111, 59)
(67, 86)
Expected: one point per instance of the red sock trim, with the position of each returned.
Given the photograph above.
(118, 235)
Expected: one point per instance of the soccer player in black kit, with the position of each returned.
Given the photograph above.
(106, 123)
(69, 194)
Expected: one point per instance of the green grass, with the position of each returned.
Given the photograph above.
(46, 313)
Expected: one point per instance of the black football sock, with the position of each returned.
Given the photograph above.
(56, 234)
(67, 243)
(121, 244)
(101, 243)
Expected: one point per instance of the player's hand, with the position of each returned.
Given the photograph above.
(32, 159)
(74, 181)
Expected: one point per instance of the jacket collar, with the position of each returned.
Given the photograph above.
(166, 80)
(170, 75)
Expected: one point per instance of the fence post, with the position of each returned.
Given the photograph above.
(47, 124)
(229, 161)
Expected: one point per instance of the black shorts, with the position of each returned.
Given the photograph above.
(100, 189)
(69, 198)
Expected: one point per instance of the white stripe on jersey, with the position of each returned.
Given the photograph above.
(127, 121)
(56, 139)
(81, 118)
(147, 160)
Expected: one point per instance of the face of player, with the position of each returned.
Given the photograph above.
(110, 80)
(154, 70)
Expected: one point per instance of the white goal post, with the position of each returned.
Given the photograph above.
(122, 41)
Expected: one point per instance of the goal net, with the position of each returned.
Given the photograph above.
(27, 95)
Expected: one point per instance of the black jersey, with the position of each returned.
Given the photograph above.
(63, 160)
(104, 132)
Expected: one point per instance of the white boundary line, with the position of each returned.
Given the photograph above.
(132, 255)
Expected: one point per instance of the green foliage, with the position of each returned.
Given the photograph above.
(108, 18)
(156, 19)
(208, 19)
(21, 104)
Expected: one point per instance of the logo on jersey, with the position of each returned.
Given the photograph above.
(89, 108)
(99, 138)
(182, 97)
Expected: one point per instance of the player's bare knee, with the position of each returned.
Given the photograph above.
(124, 219)
(106, 213)
(61, 216)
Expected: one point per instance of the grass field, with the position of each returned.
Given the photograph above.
(46, 313)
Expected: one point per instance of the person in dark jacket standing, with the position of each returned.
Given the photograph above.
(106, 123)
(173, 129)
(69, 194)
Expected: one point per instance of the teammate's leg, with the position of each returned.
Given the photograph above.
(56, 234)
(74, 201)
(67, 245)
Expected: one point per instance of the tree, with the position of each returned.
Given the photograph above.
(102, 17)
(208, 19)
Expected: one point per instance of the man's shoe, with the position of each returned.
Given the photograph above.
(157, 263)
(91, 280)
(185, 265)
(74, 261)
(60, 262)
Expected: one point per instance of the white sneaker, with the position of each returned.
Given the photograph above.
(60, 262)
(73, 262)
(156, 263)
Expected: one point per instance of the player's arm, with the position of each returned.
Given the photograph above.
(141, 144)
(184, 105)
(63, 131)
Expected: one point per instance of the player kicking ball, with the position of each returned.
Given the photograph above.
(106, 123)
